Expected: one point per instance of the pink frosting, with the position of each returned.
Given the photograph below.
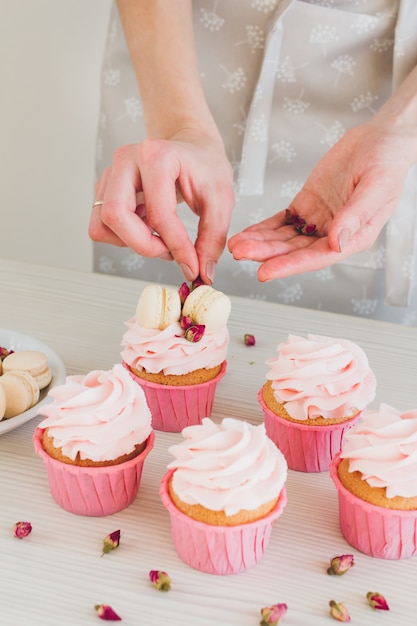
(101, 415)
(383, 447)
(169, 352)
(228, 466)
(321, 376)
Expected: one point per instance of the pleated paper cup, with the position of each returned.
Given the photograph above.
(307, 448)
(93, 491)
(374, 530)
(174, 407)
(219, 550)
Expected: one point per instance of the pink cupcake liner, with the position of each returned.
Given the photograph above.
(306, 448)
(175, 407)
(219, 550)
(93, 491)
(374, 530)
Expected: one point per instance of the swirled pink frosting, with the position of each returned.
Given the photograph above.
(321, 376)
(102, 415)
(383, 447)
(169, 352)
(228, 466)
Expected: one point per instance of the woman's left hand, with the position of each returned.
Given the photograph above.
(349, 196)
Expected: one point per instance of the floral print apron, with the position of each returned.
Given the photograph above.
(284, 80)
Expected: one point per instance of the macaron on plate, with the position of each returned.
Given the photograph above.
(13, 340)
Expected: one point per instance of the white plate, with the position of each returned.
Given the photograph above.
(13, 340)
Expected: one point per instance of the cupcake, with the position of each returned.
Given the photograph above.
(376, 480)
(176, 348)
(315, 391)
(94, 439)
(223, 491)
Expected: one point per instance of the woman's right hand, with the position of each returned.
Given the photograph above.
(140, 191)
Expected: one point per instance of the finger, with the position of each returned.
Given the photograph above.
(118, 210)
(305, 259)
(160, 191)
(212, 231)
(266, 243)
(370, 203)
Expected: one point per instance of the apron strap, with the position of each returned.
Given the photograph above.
(255, 143)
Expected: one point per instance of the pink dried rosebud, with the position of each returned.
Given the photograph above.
(111, 542)
(4, 352)
(197, 283)
(183, 292)
(272, 615)
(310, 229)
(104, 611)
(376, 601)
(249, 340)
(22, 529)
(160, 580)
(339, 612)
(186, 322)
(339, 565)
(194, 333)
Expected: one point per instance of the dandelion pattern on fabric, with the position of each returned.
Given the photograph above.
(267, 102)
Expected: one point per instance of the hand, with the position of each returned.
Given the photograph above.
(140, 191)
(349, 197)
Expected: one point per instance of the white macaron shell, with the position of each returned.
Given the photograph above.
(21, 390)
(158, 307)
(208, 306)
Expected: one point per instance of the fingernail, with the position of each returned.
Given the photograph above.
(343, 238)
(210, 270)
(186, 271)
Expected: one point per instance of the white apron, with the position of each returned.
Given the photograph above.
(284, 80)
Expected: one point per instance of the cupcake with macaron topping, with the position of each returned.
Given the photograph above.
(315, 390)
(223, 490)
(376, 479)
(176, 349)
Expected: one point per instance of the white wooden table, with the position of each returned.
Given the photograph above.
(56, 575)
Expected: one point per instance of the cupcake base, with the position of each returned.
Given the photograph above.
(174, 407)
(374, 530)
(307, 448)
(93, 491)
(219, 550)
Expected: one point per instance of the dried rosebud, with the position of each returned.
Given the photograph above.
(376, 601)
(339, 565)
(197, 283)
(4, 352)
(22, 529)
(339, 612)
(249, 340)
(194, 333)
(111, 542)
(160, 580)
(183, 292)
(310, 229)
(186, 322)
(272, 615)
(104, 611)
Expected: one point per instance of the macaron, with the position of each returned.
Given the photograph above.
(21, 391)
(207, 306)
(32, 361)
(158, 307)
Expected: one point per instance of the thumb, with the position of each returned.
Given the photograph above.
(357, 215)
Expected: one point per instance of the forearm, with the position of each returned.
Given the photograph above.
(399, 113)
(160, 38)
